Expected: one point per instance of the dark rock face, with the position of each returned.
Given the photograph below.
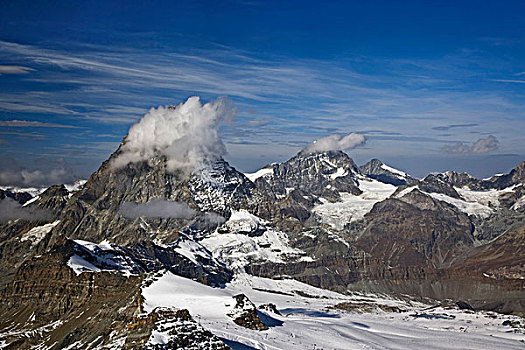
(20, 239)
(293, 188)
(45, 292)
(463, 305)
(270, 307)
(501, 259)
(320, 174)
(416, 230)
(92, 213)
(330, 272)
(20, 197)
(148, 257)
(54, 199)
(177, 326)
(515, 177)
(457, 179)
(363, 307)
(218, 187)
(91, 308)
(377, 170)
(509, 199)
(438, 184)
(244, 313)
(500, 222)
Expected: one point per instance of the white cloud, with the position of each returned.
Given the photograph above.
(5, 69)
(458, 147)
(489, 144)
(37, 178)
(335, 143)
(485, 145)
(157, 208)
(12, 210)
(215, 219)
(186, 134)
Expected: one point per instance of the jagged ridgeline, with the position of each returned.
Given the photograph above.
(84, 267)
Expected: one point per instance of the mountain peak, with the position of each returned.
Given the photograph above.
(378, 170)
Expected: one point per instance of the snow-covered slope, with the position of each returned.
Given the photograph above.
(485, 197)
(471, 208)
(351, 207)
(248, 240)
(480, 203)
(103, 256)
(36, 234)
(310, 319)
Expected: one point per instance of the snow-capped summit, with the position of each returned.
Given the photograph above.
(378, 170)
(319, 174)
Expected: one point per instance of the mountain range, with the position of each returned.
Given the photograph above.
(92, 265)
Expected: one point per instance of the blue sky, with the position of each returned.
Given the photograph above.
(424, 82)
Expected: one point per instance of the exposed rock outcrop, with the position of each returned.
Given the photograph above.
(244, 313)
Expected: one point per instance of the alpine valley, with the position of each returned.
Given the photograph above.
(312, 253)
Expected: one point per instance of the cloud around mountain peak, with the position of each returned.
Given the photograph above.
(186, 134)
(335, 142)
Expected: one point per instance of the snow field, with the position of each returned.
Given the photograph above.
(352, 208)
(307, 323)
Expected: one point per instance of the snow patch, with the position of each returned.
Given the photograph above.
(105, 257)
(238, 250)
(191, 250)
(338, 173)
(76, 186)
(393, 170)
(259, 173)
(33, 191)
(32, 200)
(519, 203)
(36, 234)
(471, 208)
(405, 191)
(79, 265)
(243, 221)
(487, 198)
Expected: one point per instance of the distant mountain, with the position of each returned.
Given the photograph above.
(20, 197)
(320, 174)
(378, 170)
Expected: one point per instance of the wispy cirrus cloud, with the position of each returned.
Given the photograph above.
(30, 135)
(454, 126)
(514, 81)
(285, 102)
(29, 123)
(7, 69)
